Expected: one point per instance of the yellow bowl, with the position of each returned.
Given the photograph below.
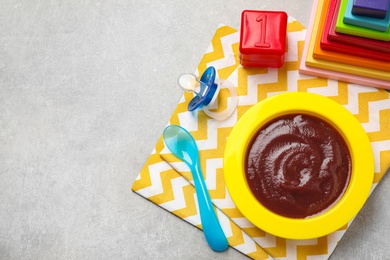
(362, 165)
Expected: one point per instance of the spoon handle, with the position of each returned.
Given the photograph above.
(211, 227)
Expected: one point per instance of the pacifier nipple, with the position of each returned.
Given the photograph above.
(188, 82)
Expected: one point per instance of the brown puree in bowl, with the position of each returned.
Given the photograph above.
(298, 165)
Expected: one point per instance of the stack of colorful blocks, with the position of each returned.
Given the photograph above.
(349, 40)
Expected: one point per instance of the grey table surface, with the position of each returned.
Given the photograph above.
(86, 89)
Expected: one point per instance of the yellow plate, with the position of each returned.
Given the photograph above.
(362, 161)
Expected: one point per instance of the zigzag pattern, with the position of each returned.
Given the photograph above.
(172, 189)
(215, 50)
(320, 247)
(379, 111)
(176, 195)
(384, 165)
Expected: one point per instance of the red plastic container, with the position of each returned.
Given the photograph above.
(263, 38)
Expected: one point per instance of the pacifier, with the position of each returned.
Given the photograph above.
(206, 92)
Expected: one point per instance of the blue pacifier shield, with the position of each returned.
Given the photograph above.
(207, 90)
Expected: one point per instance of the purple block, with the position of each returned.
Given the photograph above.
(371, 8)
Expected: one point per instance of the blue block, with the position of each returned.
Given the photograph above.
(364, 21)
(371, 8)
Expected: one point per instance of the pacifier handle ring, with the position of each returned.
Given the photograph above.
(222, 115)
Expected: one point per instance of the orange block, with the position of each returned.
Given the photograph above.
(344, 58)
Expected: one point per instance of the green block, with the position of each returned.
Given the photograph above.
(341, 27)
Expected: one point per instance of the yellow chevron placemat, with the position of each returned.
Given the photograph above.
(167, 182)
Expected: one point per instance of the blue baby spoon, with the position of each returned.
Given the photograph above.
(181, 143)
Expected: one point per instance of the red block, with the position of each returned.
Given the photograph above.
(263, 38)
